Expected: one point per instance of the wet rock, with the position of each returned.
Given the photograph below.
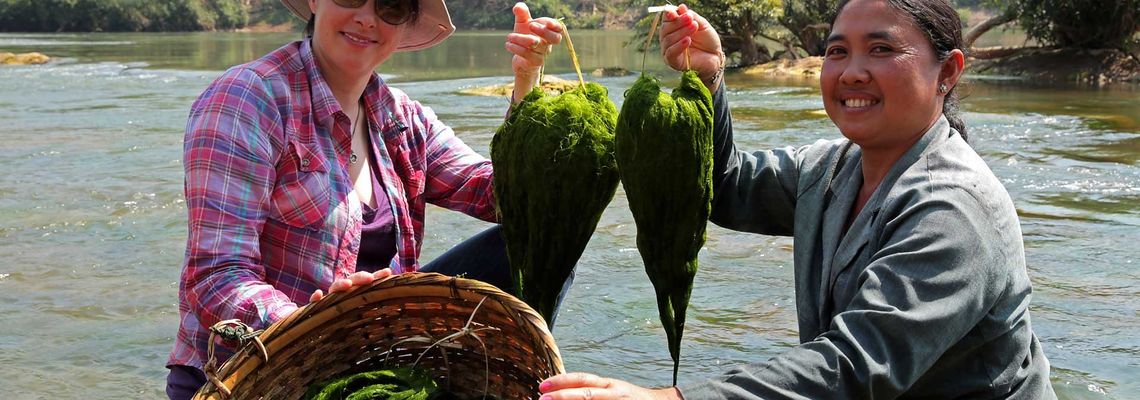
(551, 84)
(23, 58)
(803, 68)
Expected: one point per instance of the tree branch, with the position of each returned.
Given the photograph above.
(789, 48)
(985, 26)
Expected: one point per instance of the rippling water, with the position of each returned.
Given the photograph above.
(93, 220)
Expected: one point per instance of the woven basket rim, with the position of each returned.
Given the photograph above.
(278, 336)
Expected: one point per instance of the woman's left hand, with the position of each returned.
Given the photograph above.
(530, 42)
(357, 279)
(583, 386)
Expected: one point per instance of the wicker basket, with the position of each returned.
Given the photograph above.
(391, 323)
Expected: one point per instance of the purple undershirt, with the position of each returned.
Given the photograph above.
(378, 235)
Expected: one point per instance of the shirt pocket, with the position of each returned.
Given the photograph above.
(303, 191)
(416, 184)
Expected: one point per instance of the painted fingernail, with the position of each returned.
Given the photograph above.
(546, 397)
(544, 386)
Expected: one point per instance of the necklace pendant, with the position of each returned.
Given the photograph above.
(352, 158)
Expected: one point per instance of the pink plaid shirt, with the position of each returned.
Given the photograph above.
(270, 218)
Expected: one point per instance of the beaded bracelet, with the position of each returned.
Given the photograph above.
(720, 69)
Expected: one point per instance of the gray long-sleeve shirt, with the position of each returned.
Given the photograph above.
(926, 295)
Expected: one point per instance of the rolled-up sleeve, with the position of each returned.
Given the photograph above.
(229, 165)
(458, 178)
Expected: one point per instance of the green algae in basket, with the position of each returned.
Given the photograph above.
(554, 174)
(391, 384)
(665, 155)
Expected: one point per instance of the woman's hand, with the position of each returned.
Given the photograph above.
(582, 386)
(683, 30)
(360, 278)
(530, 42)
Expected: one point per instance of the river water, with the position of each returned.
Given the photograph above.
(92, 216)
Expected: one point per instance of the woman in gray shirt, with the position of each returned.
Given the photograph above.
(909, 267)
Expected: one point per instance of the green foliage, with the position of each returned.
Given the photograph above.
(121, 15)
(809, 22)
(1089, 24)
(496, 14)
(740, 23)
(230, 14)
(273, 13)
(554, 174)
(394, 384)
(665, 155)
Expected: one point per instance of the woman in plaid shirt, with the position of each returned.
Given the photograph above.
(305, 171)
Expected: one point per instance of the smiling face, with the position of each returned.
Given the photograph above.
(352, 41)
(880, 77)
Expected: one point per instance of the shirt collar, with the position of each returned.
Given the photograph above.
(324, 104)
(933, 137)
(937, 133)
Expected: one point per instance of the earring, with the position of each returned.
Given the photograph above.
(942, 88)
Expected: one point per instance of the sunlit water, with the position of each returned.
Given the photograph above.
(92, 217)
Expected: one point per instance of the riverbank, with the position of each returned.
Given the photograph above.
(1093, 67)
(806, 69)
(1090, 67)
(266, 27)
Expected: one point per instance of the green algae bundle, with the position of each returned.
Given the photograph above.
(665, 155)
(554, 174)
(390, 384)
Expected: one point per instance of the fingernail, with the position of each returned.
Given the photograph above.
(544, 386)
(546, 397)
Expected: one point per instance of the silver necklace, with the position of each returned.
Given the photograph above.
(352, 158)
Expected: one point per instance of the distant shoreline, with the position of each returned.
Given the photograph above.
(1084, 67)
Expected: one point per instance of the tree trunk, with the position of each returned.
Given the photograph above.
(812, 37)
(752, 52)
(986, 25)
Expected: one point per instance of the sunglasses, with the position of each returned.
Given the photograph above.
(394, 12)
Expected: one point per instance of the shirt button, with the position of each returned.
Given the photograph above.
(304, 162)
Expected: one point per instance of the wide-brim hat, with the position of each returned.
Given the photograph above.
(432, 26)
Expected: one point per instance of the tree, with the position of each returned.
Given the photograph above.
(496, 14)
(121, 15)
(1083, 24)
(740, 23)
(1009, 14)
(809, 21)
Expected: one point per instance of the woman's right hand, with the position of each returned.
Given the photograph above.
(683, 29)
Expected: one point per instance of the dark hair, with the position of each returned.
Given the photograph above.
(310, 26)
(940, 22)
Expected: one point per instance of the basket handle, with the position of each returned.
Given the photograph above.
(231, 330)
